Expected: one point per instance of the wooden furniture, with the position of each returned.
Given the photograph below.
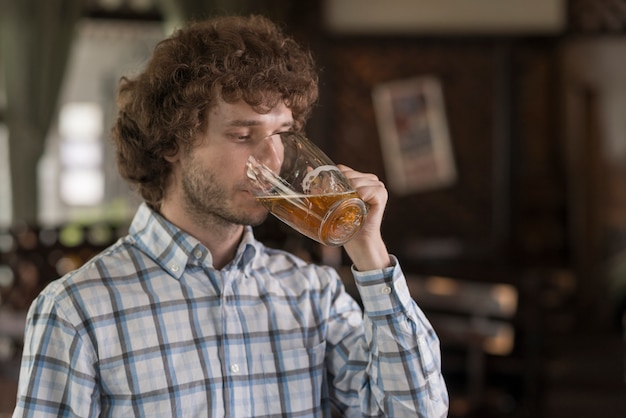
(473, 320)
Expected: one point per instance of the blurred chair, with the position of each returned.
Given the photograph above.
(474, 320)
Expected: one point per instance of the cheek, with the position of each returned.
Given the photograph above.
(231, 167)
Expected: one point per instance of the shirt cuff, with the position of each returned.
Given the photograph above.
(383, 291)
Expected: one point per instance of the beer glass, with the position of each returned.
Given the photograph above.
(302, 187)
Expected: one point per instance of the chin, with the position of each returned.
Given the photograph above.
(253, 216)
(259, 219)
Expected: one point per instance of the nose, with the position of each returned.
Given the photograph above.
(270, 152)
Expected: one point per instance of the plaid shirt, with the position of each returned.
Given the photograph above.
(149, 328)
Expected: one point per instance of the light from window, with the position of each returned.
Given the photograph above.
(82, 187)
(81, 180)
(80, 121)
(5, 178)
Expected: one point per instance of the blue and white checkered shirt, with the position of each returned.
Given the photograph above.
(149, 328)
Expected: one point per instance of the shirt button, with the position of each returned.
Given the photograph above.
(385, 290)
(197, 253)
(234, 368)
(174, 268)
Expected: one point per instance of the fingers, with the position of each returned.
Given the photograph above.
(367, 247)
(367, 185)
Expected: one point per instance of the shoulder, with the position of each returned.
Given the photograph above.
(292, 270)
(85, 288)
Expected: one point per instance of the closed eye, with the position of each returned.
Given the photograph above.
(240, 137)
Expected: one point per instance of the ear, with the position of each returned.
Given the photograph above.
(171, 158)
(173, 155)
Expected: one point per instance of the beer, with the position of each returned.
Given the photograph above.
(331, 219)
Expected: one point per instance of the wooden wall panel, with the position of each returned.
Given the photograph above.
(457, 222)
(539, 199)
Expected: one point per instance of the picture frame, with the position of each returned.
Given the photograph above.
(414, 137)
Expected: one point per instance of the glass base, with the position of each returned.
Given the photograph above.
(342, 222)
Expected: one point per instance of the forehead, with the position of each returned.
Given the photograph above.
(240, 113)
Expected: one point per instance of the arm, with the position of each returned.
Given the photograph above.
(403, 377)
(56, 376)
(403, 372)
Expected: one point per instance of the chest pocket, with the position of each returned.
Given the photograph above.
(294, 381)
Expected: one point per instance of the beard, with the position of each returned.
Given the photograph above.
(208, 202)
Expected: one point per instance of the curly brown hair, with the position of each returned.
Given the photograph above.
(165, 107)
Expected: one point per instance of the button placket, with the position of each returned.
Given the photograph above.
(234, 350)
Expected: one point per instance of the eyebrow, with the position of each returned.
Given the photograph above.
(243, 122)
(252, 122)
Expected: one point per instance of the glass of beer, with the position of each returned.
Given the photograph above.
(302, 187)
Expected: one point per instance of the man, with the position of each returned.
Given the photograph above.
(189, 315)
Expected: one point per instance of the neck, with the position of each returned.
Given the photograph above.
(219, 236)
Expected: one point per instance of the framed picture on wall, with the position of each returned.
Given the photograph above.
(414, 137)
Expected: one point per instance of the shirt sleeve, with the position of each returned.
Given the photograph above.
(57, 373)
(395, 362)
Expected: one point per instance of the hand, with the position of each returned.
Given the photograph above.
(367, 249)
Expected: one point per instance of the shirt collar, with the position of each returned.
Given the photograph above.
(248, 248)
(173, 249)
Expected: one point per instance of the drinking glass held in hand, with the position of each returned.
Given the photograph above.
(302, 187)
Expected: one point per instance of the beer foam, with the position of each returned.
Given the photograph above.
(316, 179)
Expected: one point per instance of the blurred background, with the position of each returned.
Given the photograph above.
(517, 254)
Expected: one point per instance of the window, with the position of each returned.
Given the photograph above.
(5, 177)
(81, 175)
(78, 177)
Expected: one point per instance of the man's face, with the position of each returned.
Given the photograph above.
(212, 174)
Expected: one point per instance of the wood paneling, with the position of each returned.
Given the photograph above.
(458, 222)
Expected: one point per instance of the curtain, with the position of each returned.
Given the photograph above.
(35, 41)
